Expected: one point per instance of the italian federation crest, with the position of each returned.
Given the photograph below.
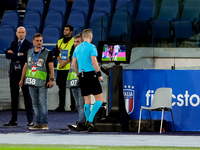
(129, 95)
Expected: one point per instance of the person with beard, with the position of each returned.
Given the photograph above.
(38, 74)
(62, 54)
(73, 84)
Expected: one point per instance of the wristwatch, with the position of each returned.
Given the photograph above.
(52, 79)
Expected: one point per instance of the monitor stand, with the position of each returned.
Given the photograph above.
(117, 119)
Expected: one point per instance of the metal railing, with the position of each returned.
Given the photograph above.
(4, 66)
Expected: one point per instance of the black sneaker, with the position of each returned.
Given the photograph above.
(72, 127)
(30, 123)
(59, 109)
(90, 126)
(10, 123)
(81, 127)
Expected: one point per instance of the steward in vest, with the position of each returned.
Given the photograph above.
(38, 74)
(65, 49)
(63, 52)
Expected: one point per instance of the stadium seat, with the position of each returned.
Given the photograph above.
(30, 31)
(161, 29)
(119, 26)
(101, 9)
(140, 27)
(162, 26)
(129, 5)
(191, 10)
(122, 2)
(51, 34)
(33, 18)
(54, 18)
(91, 2)
(99, 34)
(99, 18)
(79, 30)
(7, 35)
(185, 28)
(81, 5)
(102, 5)
(168, 10)
(77, 20)
(10, 18)
(36, 5)
(101, 13)
(58, 5)
(146, 10)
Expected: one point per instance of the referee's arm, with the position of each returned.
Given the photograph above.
(96, 67)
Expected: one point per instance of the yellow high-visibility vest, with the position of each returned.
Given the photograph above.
(65, 49)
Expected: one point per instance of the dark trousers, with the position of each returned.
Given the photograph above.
(61, 83)
(14, 90)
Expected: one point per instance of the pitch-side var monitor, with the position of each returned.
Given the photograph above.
(114, 51)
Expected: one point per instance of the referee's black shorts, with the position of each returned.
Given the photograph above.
(89, 83)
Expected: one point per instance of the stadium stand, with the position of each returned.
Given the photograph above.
(54, 18)
(162, 27)
(36, 5)
(129, 5)
(99, 34)
(101, 13)
(78, 20)
(119, 26)
(7, 34)
(30, 31)
(58, 5)
(186, 27)
(33, 18)
(120, 3)
(101, 8)
(99, 18)
(10, 18)
(141, 25)
(83, 6)
(173, 19)
(51, 34)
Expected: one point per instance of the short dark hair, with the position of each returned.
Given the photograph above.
(70, 27)
(37, 35)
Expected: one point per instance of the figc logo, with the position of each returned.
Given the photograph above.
(129, 96)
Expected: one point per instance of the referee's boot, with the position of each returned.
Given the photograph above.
(90, 126)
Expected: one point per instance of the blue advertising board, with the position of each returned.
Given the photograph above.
(139, 87)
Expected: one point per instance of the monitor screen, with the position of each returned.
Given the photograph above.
(116, 52)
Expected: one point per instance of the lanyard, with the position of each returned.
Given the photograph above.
(19, 48)
(19, 45)
(35, 58)
(65, 45)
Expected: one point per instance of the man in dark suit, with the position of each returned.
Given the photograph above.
(18, 49)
